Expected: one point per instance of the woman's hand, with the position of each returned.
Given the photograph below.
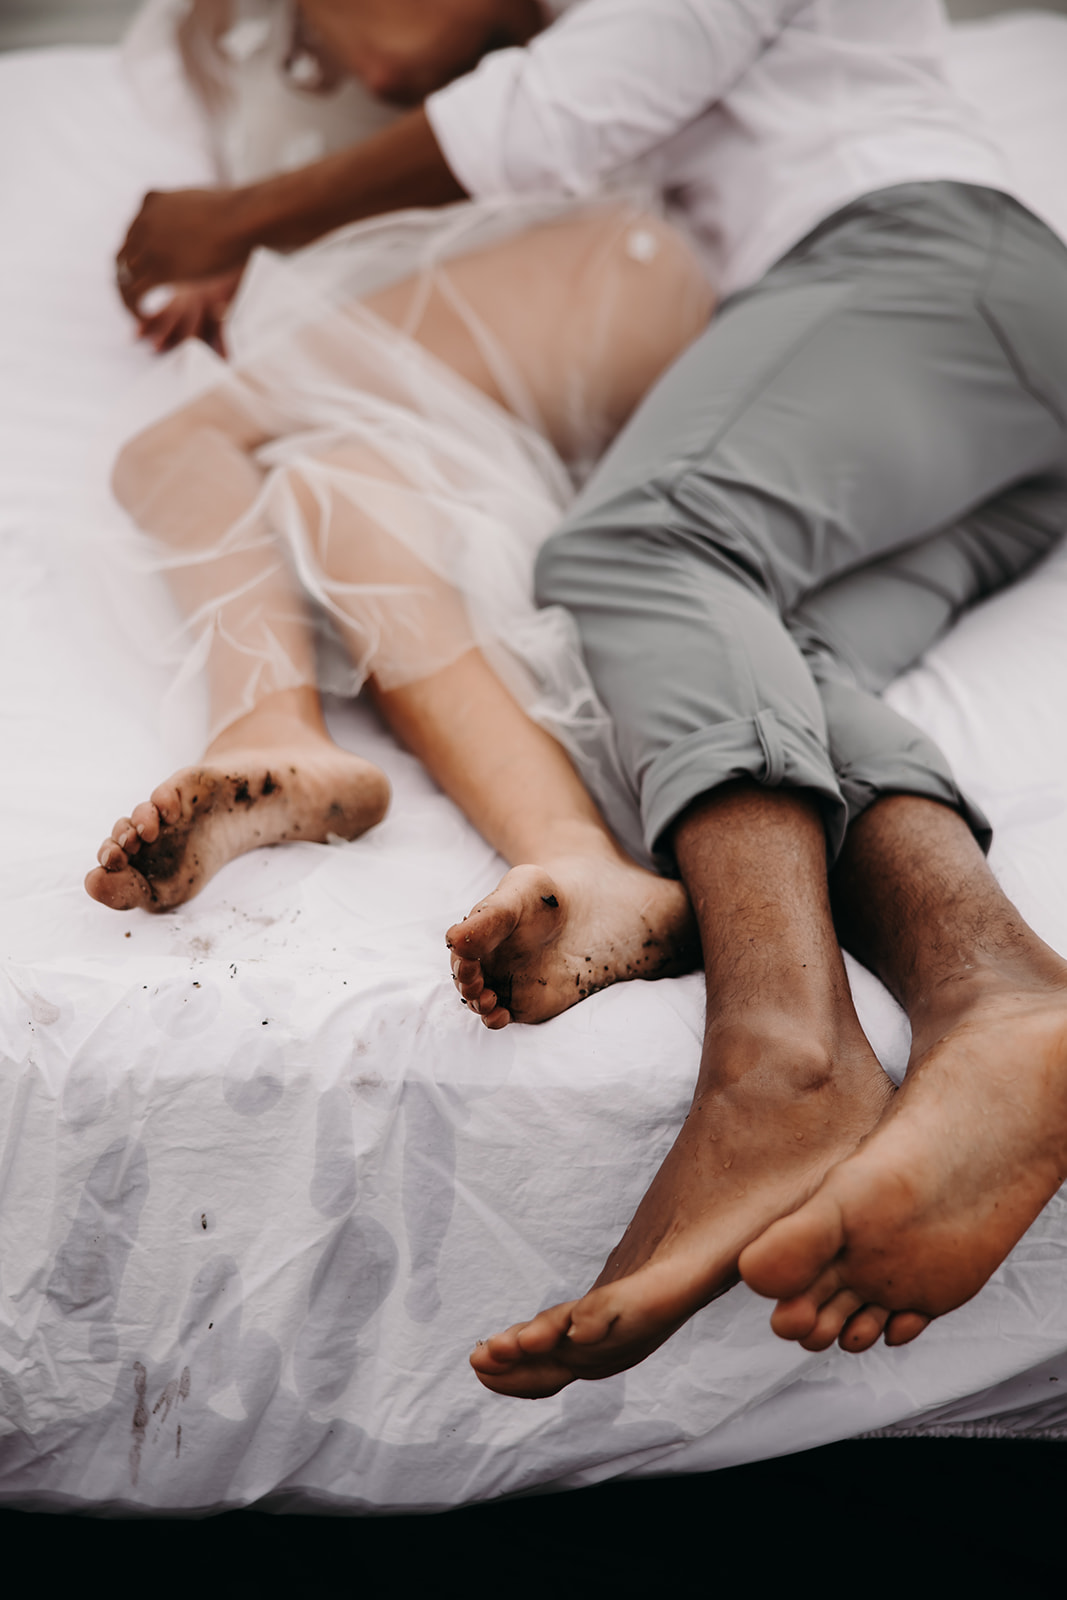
(194, 311)
(179, 237)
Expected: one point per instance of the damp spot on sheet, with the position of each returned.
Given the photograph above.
(259, 1370)
(139, 1425)
(86, 1092)
(151, 1413)
(428, 1194)
(355, 1273)
(90, 1263)
(333, 1182)
(209, 1334)
(254, 1079)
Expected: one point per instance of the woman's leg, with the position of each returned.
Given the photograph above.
(270, 771)
(569, 326)
(578, 318)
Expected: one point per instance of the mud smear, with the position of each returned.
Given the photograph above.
(140, 1419)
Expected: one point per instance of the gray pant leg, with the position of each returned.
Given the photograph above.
(857, 400)
(864, 630)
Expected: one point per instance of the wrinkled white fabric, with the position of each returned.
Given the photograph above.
(408, 505)
(263, 1180)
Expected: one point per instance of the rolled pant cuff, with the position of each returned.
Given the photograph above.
(761, 748)
(916, 778)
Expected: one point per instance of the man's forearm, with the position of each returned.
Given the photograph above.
(400, 167)
(193, 234)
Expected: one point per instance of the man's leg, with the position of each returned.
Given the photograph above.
(916, 902)
(679, 581)
(786, 1075)
(975, 1144)
(787, 1080)
(788, 449)
(856, 634)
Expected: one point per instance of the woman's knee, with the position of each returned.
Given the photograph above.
(150, 458)
(178, 440)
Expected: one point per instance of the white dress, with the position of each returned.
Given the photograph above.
(368, 439)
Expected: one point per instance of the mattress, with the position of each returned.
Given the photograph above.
(263, 1180)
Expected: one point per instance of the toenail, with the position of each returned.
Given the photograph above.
(140, 829)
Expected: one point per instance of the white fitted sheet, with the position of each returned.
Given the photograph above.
(263, 1182)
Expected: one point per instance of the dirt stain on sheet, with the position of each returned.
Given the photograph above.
(140, 1419)
(172, 1393)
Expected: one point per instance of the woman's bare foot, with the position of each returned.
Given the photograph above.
(296, 784)
(549, 936)
(921, 1216)
(770, 1117)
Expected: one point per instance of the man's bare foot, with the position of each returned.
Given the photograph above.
(771, 1116)
(921, 1216)
(549, 936)
(299, 786)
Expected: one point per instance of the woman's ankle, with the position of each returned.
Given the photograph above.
(290, 716)
(564, 839)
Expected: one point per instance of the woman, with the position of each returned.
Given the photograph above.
(408, 407)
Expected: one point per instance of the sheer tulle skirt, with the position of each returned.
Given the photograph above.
(405, 413)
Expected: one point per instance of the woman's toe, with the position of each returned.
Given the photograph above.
(125, 834)
(145, 819)
(122, 890)
(167, 801)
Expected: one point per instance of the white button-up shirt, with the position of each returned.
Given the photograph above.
(755, 118)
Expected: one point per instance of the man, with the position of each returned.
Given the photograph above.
(891, 360)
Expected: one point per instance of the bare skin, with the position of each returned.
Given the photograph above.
(402, 50)
(788, 1086)
(274, 775)
(975, 1144)
(551, 935)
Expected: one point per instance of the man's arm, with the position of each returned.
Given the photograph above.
(188, 234)
(605, 85)
(609, 81)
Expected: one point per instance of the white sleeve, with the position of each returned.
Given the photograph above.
(604, 85)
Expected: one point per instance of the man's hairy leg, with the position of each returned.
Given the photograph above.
(787, 1086)
(975, 1144)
